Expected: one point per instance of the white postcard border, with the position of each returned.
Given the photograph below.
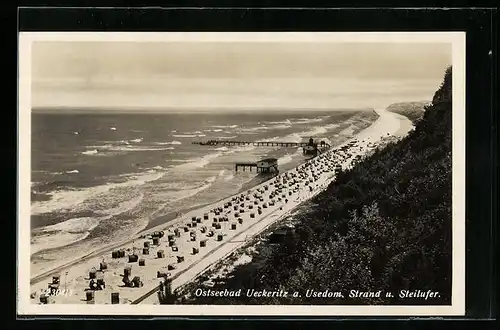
(456, 39)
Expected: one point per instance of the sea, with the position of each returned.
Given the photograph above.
(101, 177)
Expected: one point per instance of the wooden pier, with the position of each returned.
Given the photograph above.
(244, 166)
(263, 166)
(256, 143)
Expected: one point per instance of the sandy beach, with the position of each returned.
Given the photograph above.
(188, 245)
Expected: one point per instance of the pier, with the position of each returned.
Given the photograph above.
(263, 166)
(256, 143)
(244, 166)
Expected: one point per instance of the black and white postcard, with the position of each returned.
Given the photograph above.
(241, 173)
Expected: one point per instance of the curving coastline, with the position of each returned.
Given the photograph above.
(387, 123)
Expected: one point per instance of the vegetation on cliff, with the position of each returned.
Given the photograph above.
(413, 110)
(383, 225)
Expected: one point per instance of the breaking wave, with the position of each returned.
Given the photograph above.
(127, 148)
(224, 126)
(198, 162)
(184, 135)
(70, 199)
(225, 137)
(77, 229)
(90, 152)
(168, 143)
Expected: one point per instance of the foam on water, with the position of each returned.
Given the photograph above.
(168, 143)
(286, 121)
(224, 126)
(77, 229)
(285, 160)
(174, 193)
(61, 234)
(130, 205)
(90, 152)
(184, 135)
(225, 137)
(308, 120)
(48, 241)
(75, 225)
(198, 162)
(126, 148)
(69, 199)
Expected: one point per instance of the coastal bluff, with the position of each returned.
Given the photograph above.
(384, 224)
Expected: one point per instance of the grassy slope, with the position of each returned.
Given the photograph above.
(413, 110)
(384, 225)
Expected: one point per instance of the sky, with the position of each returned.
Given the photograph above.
(164, 76)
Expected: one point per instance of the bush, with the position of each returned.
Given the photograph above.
(384, 225)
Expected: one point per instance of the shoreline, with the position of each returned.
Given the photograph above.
(262, 223)
(168, 220)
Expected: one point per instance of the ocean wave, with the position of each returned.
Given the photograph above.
(168, 143)
(348, 131)
(309, 120)
(77, 229)
(70, 199)
(317, 131)
(294, 137)
(113, 128)
(254, 129)
(277, 126)
(127, 148)
(50, 241)
(285, 160)
(142, 149)
(190, 134)
(280, 126)
(221, 149)
(75, 225)
(137, 140)
(198, 162)
(217, 130)
(90, 152)
(184, 135)
(225, 137)
(72, 172)
(108, 211)
(179, 191)
(62, 234)
(244, 148)
(300, 136)
(286, 121)
(224, 126)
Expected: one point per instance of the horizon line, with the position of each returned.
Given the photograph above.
(70, 109)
